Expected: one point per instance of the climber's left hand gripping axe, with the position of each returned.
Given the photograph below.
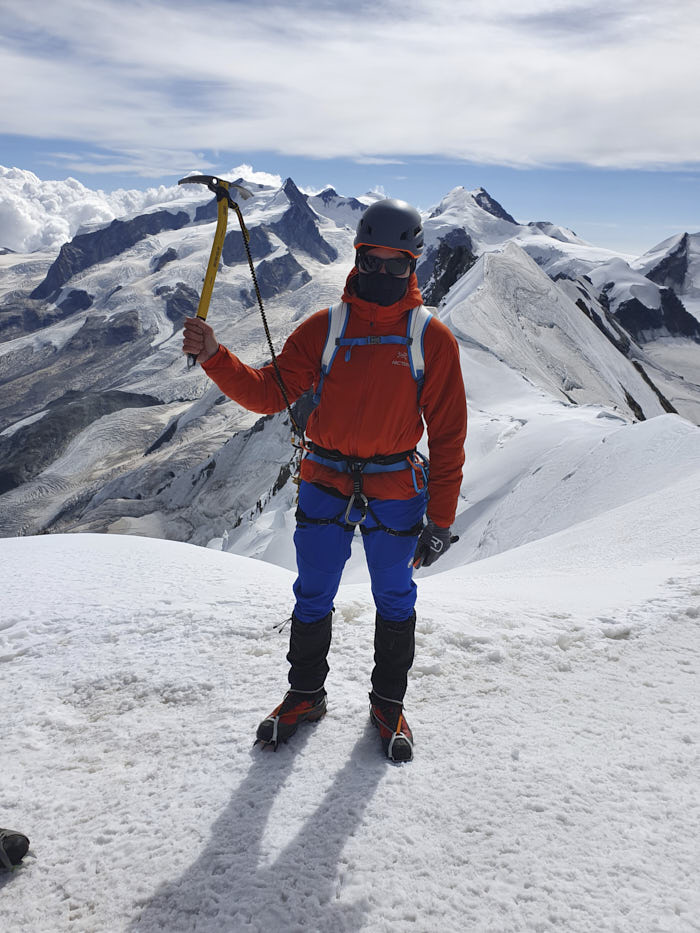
(221, 189)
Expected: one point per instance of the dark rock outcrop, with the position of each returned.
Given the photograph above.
(181, 301)
(76, 300)
(487, 203)
(298, 227)
(444, 264)
(330, 196)
(103, 333)
(646, 324)
(168, 256)
(207, 212)
(86, 249)
(672, 270)
(596, 308)
(30, 449)
(20, 315)
(277, 275)
(234, 249)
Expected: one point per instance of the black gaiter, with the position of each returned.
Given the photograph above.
(381, 288)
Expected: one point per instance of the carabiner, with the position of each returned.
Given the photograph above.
(364, 505)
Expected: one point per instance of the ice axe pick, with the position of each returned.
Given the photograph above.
(222, 191)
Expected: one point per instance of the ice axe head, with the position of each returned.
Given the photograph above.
(220, 187)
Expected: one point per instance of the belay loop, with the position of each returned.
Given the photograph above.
(358, 499)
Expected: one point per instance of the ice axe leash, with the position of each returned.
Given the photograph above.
(224, 200)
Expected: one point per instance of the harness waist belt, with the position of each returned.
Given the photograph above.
(336, 460)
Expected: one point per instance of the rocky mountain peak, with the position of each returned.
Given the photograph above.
(489, 204)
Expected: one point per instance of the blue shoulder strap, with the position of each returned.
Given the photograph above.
(418, 320)
(337, 322)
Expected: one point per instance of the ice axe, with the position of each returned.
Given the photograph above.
(224, 200)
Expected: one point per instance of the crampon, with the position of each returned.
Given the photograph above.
(283, 721)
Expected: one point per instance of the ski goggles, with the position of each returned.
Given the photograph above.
(368, 263)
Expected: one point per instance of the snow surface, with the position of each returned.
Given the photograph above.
(554, 704)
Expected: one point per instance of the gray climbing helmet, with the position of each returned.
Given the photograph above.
(392, 224)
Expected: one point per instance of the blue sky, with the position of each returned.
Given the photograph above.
(575, 111)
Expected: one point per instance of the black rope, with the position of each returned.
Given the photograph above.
(283, 389)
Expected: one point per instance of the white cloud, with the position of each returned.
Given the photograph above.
(249, 174)
(42, 215)
(518, 83)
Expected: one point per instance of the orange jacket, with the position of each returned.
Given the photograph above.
(369, 404)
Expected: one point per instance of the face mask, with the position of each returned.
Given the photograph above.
(380, 288)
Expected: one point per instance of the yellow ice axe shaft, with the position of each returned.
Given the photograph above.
(221, 189)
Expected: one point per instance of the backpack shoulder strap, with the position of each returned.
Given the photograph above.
(337, 322)
(418, 320)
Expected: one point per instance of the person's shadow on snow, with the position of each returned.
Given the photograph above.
(227, 889)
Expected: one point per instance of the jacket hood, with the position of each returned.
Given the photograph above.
(386, 313)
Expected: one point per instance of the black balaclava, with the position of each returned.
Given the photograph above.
(381, 288)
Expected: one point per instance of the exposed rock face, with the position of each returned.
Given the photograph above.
(234, 249)
(181, 301)
(673, 268)
(76, 300)
(645, 323)
(298, 227)
(442, 266)
(21, 315)
(101, 353)
(487, 203)
(87, 249)
(103, 333)
(276, 275)
(328, 195)
(26, 452)
(597, 309)
(208, 211)
(168, 256)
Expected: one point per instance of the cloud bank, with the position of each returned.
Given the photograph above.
(153, 84)
(42, 215)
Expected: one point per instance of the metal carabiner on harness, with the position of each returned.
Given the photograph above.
(356, 467)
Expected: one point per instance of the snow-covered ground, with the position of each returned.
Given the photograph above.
(554, 704)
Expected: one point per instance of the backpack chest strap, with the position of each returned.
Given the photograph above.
(371, 341)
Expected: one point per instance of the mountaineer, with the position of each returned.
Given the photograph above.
(382, 367)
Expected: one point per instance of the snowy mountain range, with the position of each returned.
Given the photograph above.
(102, 428)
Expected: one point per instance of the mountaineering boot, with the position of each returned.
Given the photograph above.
(283, 720)
(306, 700)
(13, 848)
(309, 643)
(394, 648)
(394, 731)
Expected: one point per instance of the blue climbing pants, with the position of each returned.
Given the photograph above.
(323, 549)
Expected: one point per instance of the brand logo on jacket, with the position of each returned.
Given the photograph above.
(401, 358)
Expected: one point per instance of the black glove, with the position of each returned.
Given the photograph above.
(432, 543)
